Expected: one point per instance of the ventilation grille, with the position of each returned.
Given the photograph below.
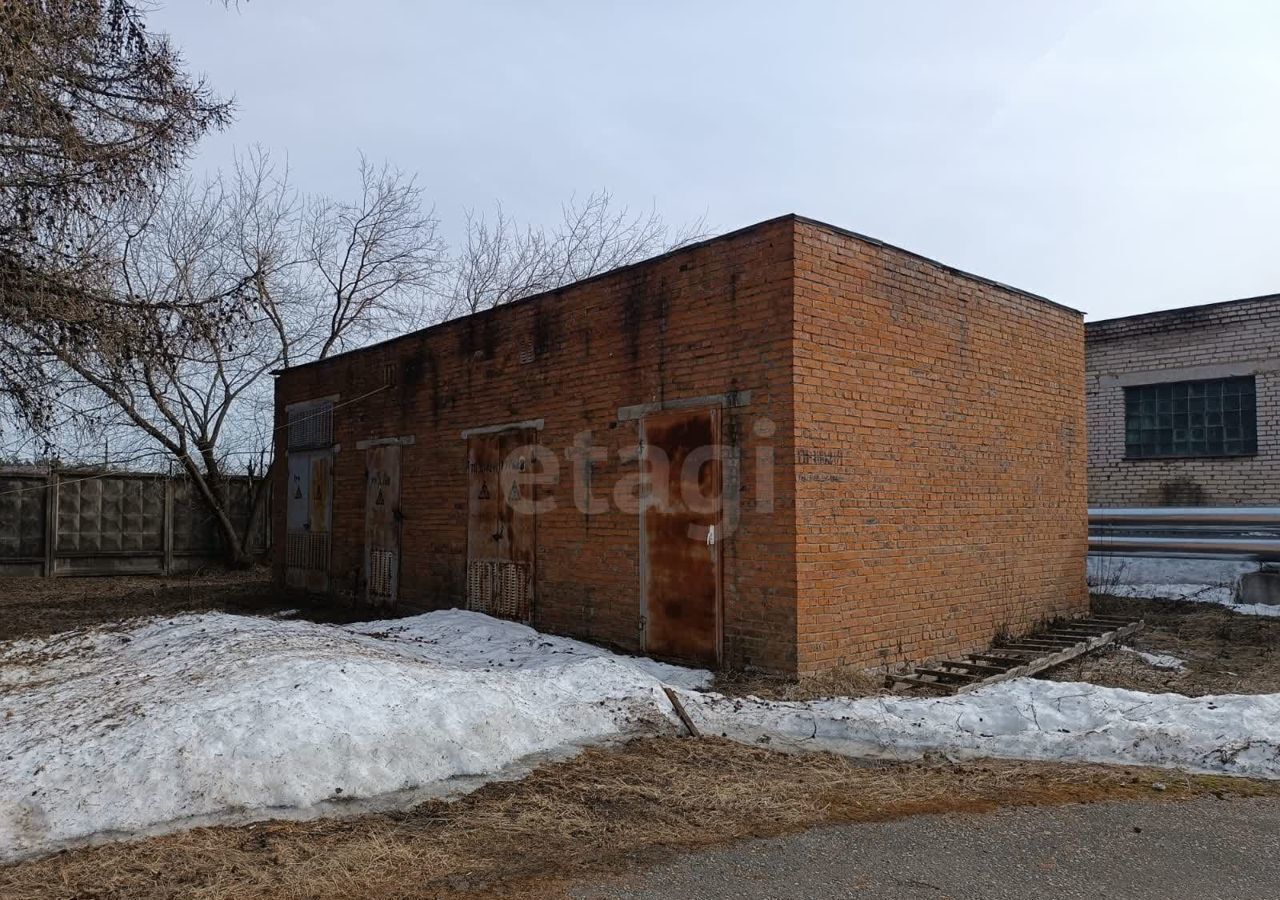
(499, 589)
(381, 565)
(307, 551)
(311, 425)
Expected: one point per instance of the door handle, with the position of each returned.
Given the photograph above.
(711, 536)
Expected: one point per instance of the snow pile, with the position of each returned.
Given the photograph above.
(469, 640)
(1158, 660)
(1220, 595)
(1020, 719)
(217, 717)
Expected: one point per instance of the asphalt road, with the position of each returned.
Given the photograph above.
(1200, 850)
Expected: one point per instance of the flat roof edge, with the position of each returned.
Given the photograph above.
(1180, 310)
(688, 248)
(982, 279)
(599, 276)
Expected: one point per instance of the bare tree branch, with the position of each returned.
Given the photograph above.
(502, 261)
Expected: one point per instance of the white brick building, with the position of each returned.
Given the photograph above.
(1184, 406)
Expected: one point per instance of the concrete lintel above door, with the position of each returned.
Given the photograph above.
(535, 424)
(405, 440)
(726, 401)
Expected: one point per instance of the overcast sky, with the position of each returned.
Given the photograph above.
(1118, 157)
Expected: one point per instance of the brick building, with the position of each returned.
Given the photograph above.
(856, 456)
(1184, 406)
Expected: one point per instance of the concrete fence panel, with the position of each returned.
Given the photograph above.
(113, 523)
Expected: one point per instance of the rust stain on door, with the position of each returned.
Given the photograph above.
(382, 524)
(321, 490)
(680, 563)
(501, 525)
(309, 514)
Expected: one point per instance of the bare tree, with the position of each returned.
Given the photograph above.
(94, 109)
(313, 276)
(302, 278)
(377, 257)
(502, 261)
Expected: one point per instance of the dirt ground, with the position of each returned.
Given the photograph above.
(607, 810)
(1225, 652)
(36, 607)
(848, 681)
(601, 813)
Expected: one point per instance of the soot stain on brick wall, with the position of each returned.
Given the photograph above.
(421, 373)
(1182, 492)
(633, 303)
(547, 327)
(478, 338)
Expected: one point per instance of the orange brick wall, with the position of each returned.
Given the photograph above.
(941, 455)
(707, 320)
(925, 432)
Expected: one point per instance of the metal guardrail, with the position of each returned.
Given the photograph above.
(1251, 533)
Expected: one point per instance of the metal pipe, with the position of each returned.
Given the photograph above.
(1208, 515)
(1240, 548)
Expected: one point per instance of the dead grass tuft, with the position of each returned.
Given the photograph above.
(1226, 653)
(846, 681)
(596, 814)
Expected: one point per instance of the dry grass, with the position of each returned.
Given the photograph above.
(37, 607)
(1226, 653)
(597, 814)
(847, 681)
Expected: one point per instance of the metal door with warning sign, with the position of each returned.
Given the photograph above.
(309, 510)
(680, 549)
(500, 524)
(382, 524)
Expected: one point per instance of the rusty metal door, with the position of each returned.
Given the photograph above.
(680, 525)
(309, 513)
(501, 532)
(382, 524)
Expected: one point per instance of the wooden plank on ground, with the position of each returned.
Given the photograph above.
(1057, 659)
(680, 711)
(942, 674)
(977, 666)
(1025, 656)
(922, 682)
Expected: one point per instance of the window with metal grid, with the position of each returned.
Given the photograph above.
(311, 425)
(498, 588)
(1212, 417)
(381, 569)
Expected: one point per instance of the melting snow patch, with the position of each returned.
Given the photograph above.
(1158, 660)
(215, 716)
(1020, 719)
(1196, 593)
(469, 640)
